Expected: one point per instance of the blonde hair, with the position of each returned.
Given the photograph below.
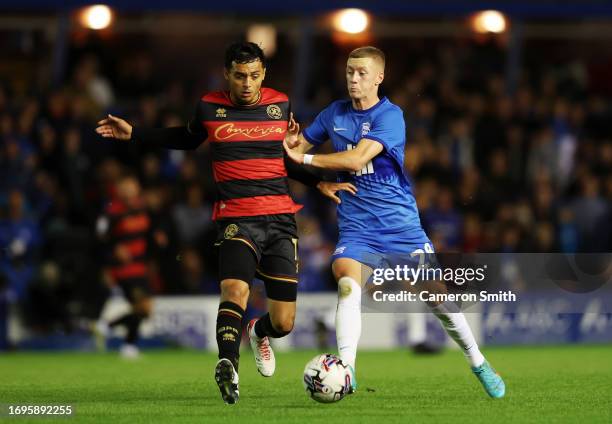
(369, 51)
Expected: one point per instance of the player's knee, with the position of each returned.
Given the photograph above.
(236, 291)
(142, 304)
(348, 288)
(344, 267)
(146, 308)
(142, 311)
(283, 324)
(338, 270)
(345, 287)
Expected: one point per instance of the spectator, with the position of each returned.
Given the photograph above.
(193, 216)
(444, 221)
(591, 212)
(19, 238)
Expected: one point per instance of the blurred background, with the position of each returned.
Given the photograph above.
(509, 143)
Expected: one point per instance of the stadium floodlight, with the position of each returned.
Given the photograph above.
(98, 16)
(352, 21)
(489, 21)
(264, 36)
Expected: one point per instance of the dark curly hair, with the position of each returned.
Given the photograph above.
(243, 52)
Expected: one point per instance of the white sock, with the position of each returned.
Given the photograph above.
(458, 329)
(417, 328)
(348, 319)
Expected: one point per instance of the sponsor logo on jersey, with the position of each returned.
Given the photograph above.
(274, 112)
(229, 130)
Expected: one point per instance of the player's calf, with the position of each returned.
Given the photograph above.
(282, 324)
(229, 331)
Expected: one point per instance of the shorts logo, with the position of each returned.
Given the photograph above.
(230, 231)
(365, 128)
(274, 112)
(221, 113)
(339, 250)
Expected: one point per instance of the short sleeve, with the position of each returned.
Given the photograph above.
(389, 129)
(316, 134)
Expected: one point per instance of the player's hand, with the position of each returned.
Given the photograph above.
(161, 238)
(108, 279)
(122, 254)
(293, 155)
(328, 189)
(292, 137)
(113, 127)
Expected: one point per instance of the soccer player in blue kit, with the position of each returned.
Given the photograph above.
(368, 135)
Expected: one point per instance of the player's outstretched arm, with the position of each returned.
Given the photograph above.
(180, 138)
(350, 160)
(305, 175)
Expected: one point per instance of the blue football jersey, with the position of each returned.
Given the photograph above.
(384, 211)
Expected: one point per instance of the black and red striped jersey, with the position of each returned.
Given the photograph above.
(246, 145)
(128, 229)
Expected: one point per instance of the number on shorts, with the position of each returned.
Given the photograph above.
(421, 252)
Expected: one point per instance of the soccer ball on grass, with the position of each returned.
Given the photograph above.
(326, 378)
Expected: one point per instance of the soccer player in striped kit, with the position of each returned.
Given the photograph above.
(257, 235)
(125, 227)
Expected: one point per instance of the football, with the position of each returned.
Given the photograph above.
(326, 378)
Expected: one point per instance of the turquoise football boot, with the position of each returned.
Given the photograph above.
(353, 388)
(491, 381)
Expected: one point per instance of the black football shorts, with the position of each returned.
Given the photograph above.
(135, 289)
(264, 247)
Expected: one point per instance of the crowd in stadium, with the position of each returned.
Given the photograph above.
(528, 171)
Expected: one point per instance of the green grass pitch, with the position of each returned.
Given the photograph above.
(546, 384)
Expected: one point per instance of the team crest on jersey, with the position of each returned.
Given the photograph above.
(274, 112)
(365, 128)
(221, 113)
(230, 231)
